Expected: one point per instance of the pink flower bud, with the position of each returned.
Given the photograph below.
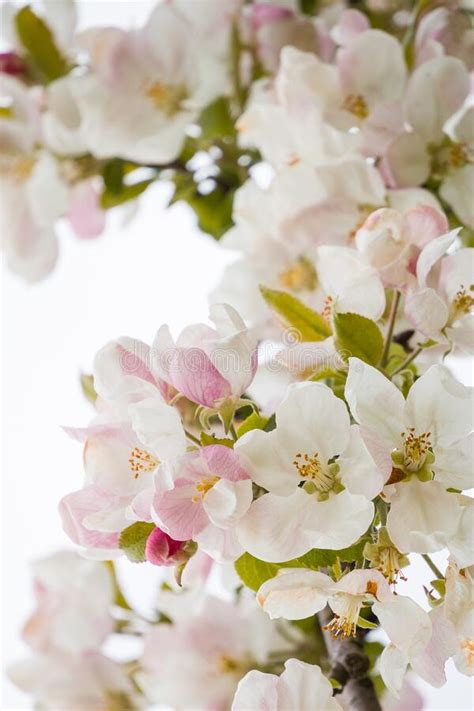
(11, 63)
(161, 549)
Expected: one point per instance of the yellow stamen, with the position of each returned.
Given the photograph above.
(203, 486)
(356, 105)
(166, 97)
(345, 625)
(142, 461)
(301, 276)
(416, 448)
(311, 469)
(463, 302)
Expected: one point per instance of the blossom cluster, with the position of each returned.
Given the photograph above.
(307, 476)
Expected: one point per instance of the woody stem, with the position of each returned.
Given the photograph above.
(350, 667)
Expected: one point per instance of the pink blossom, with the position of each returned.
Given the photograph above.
(201, 496)
(210, 366)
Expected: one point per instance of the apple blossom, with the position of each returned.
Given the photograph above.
(316, 468)
(202, 496)
(211, 367)
(429, 437)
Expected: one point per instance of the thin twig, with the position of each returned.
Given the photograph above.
(391, 326)
(407, 362)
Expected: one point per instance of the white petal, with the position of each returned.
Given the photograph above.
(440, 404)
(457, 190)
(159, 427)
(427, 312)
(374, 401)
(423, 515)
(228, 501)
(295, 594)
(436, 90)
(454, 463)
(430, 662)
(433, 251)
(256, 692)
(268, 465)
(359, 471)
(303, 687)
(312, 419)
(407, 625)
(355, 286)
(272, 529)
(393, 666)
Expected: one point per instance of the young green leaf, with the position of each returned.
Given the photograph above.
(253, 422)
(128, 192)
(208, 439)
(216, 120)
(358, 336)
(38, 40)
(133, 540)
(310, 325)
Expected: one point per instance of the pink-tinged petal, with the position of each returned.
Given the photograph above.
(75, 507)
(263, 13)
(436, 90)
(256, 692)
(193, 375)
(375, 82)
(351, 24)
(85, 214)
(179, 511)
(224, 462)
(161, 549)
(409, 699)
(424, 223)
(408, 161)
(430, 662)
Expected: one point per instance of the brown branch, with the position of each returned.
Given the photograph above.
(350, 667)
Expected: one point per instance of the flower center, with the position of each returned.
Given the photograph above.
(17, 168)
(311, 470)
(166, 97)
(345, 624)
(458, 155)
(227, 664)
(416, 448)
(356, 105)
(142, 461)
(301, 276)
(203, 486)
(463, 302)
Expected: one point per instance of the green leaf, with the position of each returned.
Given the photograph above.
(87, 385)
(208, 439)
(133, 540)
(358, 336)
(310, 325)
(37, 39)
(366, 624)
(216, 120)
(113, 174)
(254, 572)
(129, 192)
(252, 422)
(213, 211)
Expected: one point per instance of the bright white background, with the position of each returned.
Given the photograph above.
(157, 269)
